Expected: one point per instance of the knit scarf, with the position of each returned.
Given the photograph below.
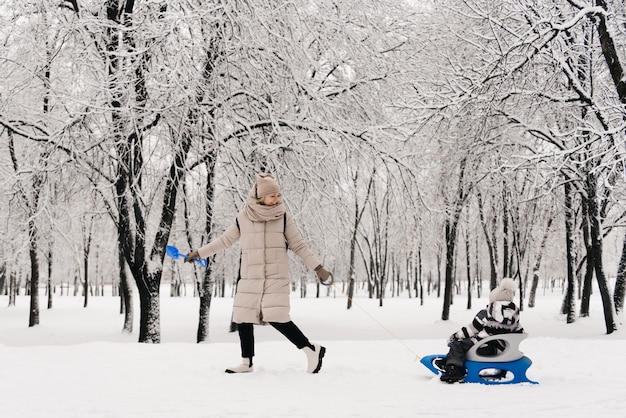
(257, 212)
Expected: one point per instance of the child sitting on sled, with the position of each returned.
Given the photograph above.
(501, 316)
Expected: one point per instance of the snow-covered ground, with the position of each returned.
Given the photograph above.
(77, 363)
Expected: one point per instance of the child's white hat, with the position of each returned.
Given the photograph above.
(505, 291)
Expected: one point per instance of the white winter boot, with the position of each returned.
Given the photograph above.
(314, 357)
(245, 366)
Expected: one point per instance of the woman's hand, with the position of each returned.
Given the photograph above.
(191, 256)
(323, 275)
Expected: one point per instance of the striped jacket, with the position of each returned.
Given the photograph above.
(501, 317)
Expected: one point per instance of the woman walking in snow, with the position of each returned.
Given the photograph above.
(266, 231)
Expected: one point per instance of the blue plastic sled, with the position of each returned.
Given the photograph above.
(173, 252)
(510, 364)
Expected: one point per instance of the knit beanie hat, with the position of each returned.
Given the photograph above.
(505, 291)
(266, 184)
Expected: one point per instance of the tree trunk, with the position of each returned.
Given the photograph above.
(358, 214)
(589, 265)
(126, 294)
(609, 51)
(146, 267)
(596, 245)
(409, 275)
(86, 249)
(351, 266)
(419, 287)
(34, 275)
(50, 287)
(12, 288)
(468, 269)
(506, 267)
(150, 321)
(451, 225)
(479, 280)
(439, 272)
(568, 303)
(491, 246)
(450, 231)
(620, 285)
(32, 206)
(206, 295)
(535, 280)
(3, 278)
(206, 292)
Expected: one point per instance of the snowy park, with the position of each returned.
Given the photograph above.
(412, 149)
(77, 363)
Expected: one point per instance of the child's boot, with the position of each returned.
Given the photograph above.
(453, 374)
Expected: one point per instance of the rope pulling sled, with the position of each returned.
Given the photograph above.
(475, 364)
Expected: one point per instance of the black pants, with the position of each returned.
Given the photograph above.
(459, 348)
(288, 329)
(458, 351)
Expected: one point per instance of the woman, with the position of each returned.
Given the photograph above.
(266, 231)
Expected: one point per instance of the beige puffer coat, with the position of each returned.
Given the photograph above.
(263, 291)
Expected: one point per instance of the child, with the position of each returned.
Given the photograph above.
(501, 316)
